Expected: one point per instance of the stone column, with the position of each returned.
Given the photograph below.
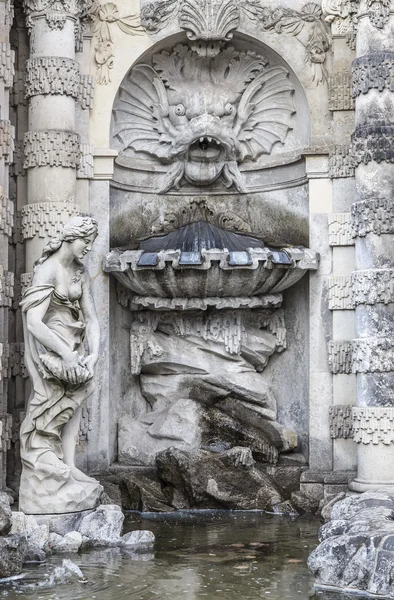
(7, 135)
(52, 146)
(373, 226)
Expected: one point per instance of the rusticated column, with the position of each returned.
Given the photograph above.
(52, 146)
(373, 227)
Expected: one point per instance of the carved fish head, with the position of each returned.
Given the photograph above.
(204, 114)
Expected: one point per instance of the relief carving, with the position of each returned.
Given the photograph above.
(379, 12)
(373, 286)
(373, 424)
(372, 216)
(213, 364)
(340, 293)
(341, 422)
(373, 143)
(56, 75)
(307, 25)
(6, 214)
(7, 134)
(373, 355)
(107, 16)
(341, 162)
(86, 165)
(204, 132)
(340, 230)
(373, 71)
(46, 218)
(156, 15)
(6, 287)
(51, 148)
(340, 92)
(340, 356)
(211, 21)
(7, 57)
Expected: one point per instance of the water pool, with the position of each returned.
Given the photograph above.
(210, 555)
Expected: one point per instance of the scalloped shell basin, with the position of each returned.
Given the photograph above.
(200, 261)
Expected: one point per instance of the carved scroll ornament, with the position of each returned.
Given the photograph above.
(204, 115)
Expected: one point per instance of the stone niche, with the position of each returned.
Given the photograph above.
(209, 237)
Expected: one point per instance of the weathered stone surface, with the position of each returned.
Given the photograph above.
(138, 541)
(225, 480)
(144, 492)
(71, 542)
(104, 526)
(356, 548)
(5, 514)
(12, 554)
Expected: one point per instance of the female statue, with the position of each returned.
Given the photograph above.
(62, 337)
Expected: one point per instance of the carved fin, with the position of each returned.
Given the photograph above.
(265, 112)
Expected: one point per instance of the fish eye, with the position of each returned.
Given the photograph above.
(180, 110)
(229, 109)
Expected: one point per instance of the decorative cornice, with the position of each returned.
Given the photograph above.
(339, 92)
(56, 11)
(341, 163)
(373, 286)
(373, 355)
(51, 148)
(340, 356)
(341, 423)
(7, 134)
(339, 230)
(372, 216)
(373, 71)
(373, 143)
(340, 293)
(7, 57)
(373, 424)
(46, 219)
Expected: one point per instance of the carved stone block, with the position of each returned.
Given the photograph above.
(46, 219)
(26, 281)
(340, 356)
(372, 216)
(7, 134)
(373, 424)
(373, 355)
(7, 57)
(341, 162)
(16, 363)
(86, 165)
(52, 75)
(339, 230)
(6, 214)
(373, 142)
(6, 287)
(341, 423)
(340, 293)
(6, 433)
(51, 148)
(339, 92)
(86, 90)
(373, 286)
(373, 71)
(86, 424)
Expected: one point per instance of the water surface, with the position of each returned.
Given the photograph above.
(211, 555)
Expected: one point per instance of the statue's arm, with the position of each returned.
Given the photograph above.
(44, 335)
(92, 323)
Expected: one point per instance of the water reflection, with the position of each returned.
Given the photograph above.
(198, 556)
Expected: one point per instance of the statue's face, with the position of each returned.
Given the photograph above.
(81, 246)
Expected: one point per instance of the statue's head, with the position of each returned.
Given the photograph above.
(79, 233)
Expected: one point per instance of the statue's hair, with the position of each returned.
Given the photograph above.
(77, 227)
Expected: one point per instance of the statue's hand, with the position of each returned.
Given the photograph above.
(71, 360)
(89, 362)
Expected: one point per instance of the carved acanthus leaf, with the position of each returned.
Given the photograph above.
(156, 15)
